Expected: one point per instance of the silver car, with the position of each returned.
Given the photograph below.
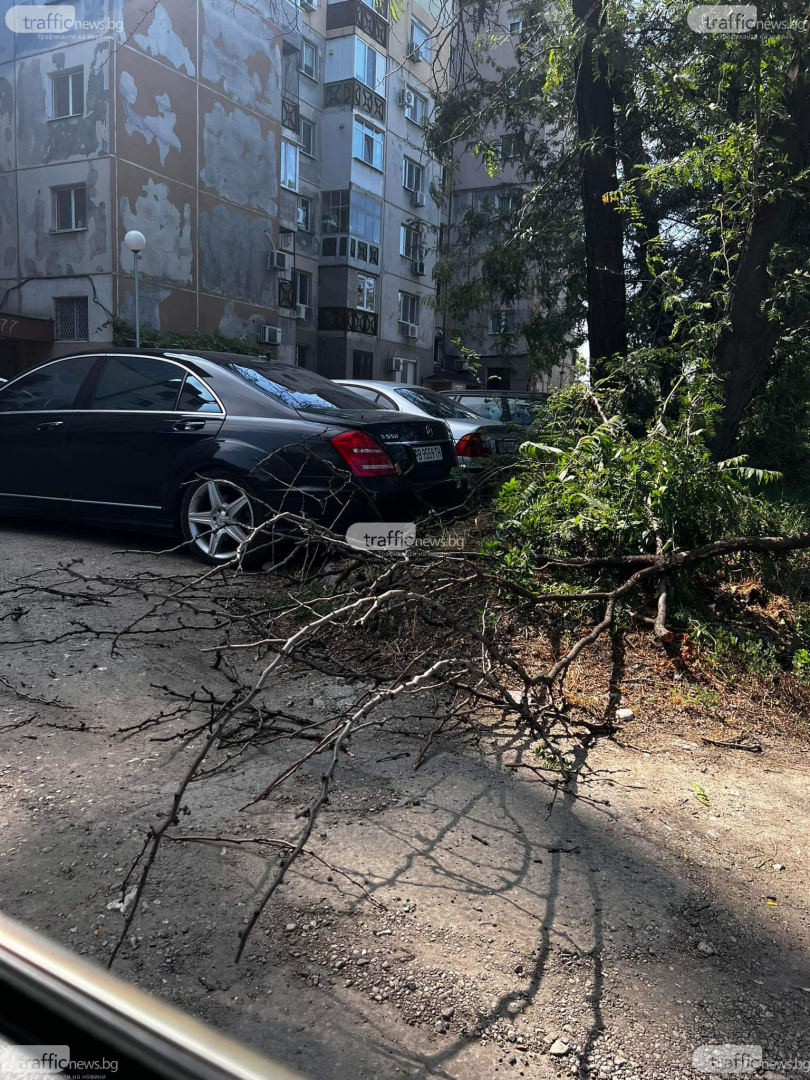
(475, 439)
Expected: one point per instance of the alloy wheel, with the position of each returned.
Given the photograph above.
(220, 519)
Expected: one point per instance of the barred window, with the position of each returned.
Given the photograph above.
(70, 318)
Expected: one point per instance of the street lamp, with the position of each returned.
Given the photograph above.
(136, 242)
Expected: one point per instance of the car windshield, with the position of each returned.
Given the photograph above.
(299, 389)
(435, 405)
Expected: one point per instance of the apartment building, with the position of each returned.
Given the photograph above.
(271, 154)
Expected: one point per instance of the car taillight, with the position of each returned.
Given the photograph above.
(472, 446)
(363, 456)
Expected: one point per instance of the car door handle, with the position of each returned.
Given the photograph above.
(189, 425)
(49, 424)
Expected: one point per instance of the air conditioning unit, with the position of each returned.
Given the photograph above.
(269, 335)
(300, 311)
(407, 98)
(394, 363)
(409, 329)
(276, 260)
(461, 365)
(418, 198)
(309, 5)
(418, 267)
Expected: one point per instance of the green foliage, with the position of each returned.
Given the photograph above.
(124, 334)
(801, 666)
(721, 644)
(592, 485)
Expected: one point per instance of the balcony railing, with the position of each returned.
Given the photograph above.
(286, 293)
(353, 93)
(356, 13)
(347, 320)
(289, 115)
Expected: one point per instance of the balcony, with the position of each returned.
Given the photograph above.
(347, 320)
(289, 115)
(354, 94)
(356, 13)
(286, 293)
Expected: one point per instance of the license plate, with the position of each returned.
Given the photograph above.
(504, 446)
(428, 453)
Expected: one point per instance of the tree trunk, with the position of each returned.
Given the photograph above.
(607, 328)
(749, 336)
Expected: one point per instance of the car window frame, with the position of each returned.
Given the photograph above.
(154, 412)
(81, 393)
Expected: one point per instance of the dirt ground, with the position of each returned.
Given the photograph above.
(611, 933)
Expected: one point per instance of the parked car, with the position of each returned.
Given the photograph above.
(503, 406)
(475, 440)
(203, 443)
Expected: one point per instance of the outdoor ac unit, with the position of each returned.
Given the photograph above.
(460, 365)
(276, 260)
(418, 267)
(407, 98)
(409, 329)
(394, 363)
(418, 198)
(309, 5)
(300, 311)
(269, 335)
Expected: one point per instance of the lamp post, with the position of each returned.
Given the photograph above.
(136, 242)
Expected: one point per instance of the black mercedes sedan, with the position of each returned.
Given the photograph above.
(209, 445)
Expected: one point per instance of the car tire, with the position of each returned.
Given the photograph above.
(218, 513)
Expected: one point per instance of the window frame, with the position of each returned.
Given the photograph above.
(402, 295)
(370, 284)
(417, 97)
(311, 152)
(367, 130)
(362, 48)
(93, 357)
(409, 165)
(70, 75)
(305, 276)
(503, 317)
(302, 67)
(514, 22)
(414, 255)
(424, 46)
(170, 412)
(305, 204)
(72, 189)
(289, 148)
(299, 345)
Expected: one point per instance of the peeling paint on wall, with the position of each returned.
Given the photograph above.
(160, 127)
(161, 40)
(240, 164)
(150, 298)
(232, 326)
(46, 253)
(168, 253)
(235, 41)
(7, 120)
(233, 257)
(8, 224)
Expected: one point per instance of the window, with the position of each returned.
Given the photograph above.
(196, 397)
(293, 388)
(70, 318)
(309, 60)
(502, 322)
(68, 94)
(304, 214)
(303, 356)
(366, 292)
(408, 308)
(53, 387)
(303, 288)
(515, 22)
(368, 143)
(365, 217)
(369, 66)
(418, 111)
(289, 165)
(437, 405)
(410, 243)
(307, 137)
(506, 204)
(419, 48)
(511, 146)
(335, 217)
(413, 175)
(138, 384)
(70, 206)
(363, 368)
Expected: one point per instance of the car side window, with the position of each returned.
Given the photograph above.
(385, 402)
(50, 389)
(363, 392)
(196, 397)
(138, 384)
